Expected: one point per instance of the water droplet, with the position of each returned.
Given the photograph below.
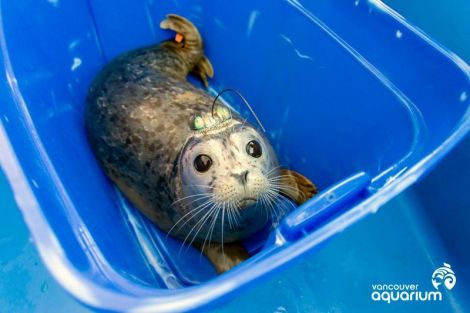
(280, 309)
(54, 3)
(399, 34)
(251, 22)
(44, 286)
(356, 3)
(73, 44)
(331, 197)
(76, 63)
(463, 96)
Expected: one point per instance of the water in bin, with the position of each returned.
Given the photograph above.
(322, 77)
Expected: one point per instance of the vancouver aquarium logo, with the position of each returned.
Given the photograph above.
(442, 276)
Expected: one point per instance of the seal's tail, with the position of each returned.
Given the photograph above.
(191, 42)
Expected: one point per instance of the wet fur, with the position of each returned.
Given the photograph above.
(137, 120)
(137, 114)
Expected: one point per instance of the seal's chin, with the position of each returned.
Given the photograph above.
(246, 202)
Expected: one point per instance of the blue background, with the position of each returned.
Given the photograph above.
(403, 243)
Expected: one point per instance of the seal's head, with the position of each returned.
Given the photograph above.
(228, 172)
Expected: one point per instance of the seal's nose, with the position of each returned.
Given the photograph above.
(242, 177)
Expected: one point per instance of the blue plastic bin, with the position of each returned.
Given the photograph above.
(351, 94)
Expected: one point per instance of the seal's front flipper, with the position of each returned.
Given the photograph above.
(224, 259)
(203, 69)
(296, 186)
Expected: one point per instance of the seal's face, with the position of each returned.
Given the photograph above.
(228, 177)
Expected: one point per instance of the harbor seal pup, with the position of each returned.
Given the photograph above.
(200, 173)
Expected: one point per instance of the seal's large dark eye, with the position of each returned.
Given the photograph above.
(253, 148)
(202, 163)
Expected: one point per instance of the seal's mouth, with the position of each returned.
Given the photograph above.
(246, 202)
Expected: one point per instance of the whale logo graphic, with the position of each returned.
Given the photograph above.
(444, 275)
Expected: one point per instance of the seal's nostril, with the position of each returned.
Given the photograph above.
(245, 176)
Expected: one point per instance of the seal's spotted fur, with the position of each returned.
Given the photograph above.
(138, 119)
(138, 114)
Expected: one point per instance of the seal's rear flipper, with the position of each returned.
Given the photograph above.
(183, 27)
(203, 69)
(226, 258)
(298, 188)
(191, 44)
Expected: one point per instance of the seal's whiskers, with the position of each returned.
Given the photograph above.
(229, 215)
(199, 209)
(201, 222)
(222, 235)
(272, 197)
(207, 217)
(203, 195)
(272, 170)
(262, 202)
(211, 229)
(193, 185)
